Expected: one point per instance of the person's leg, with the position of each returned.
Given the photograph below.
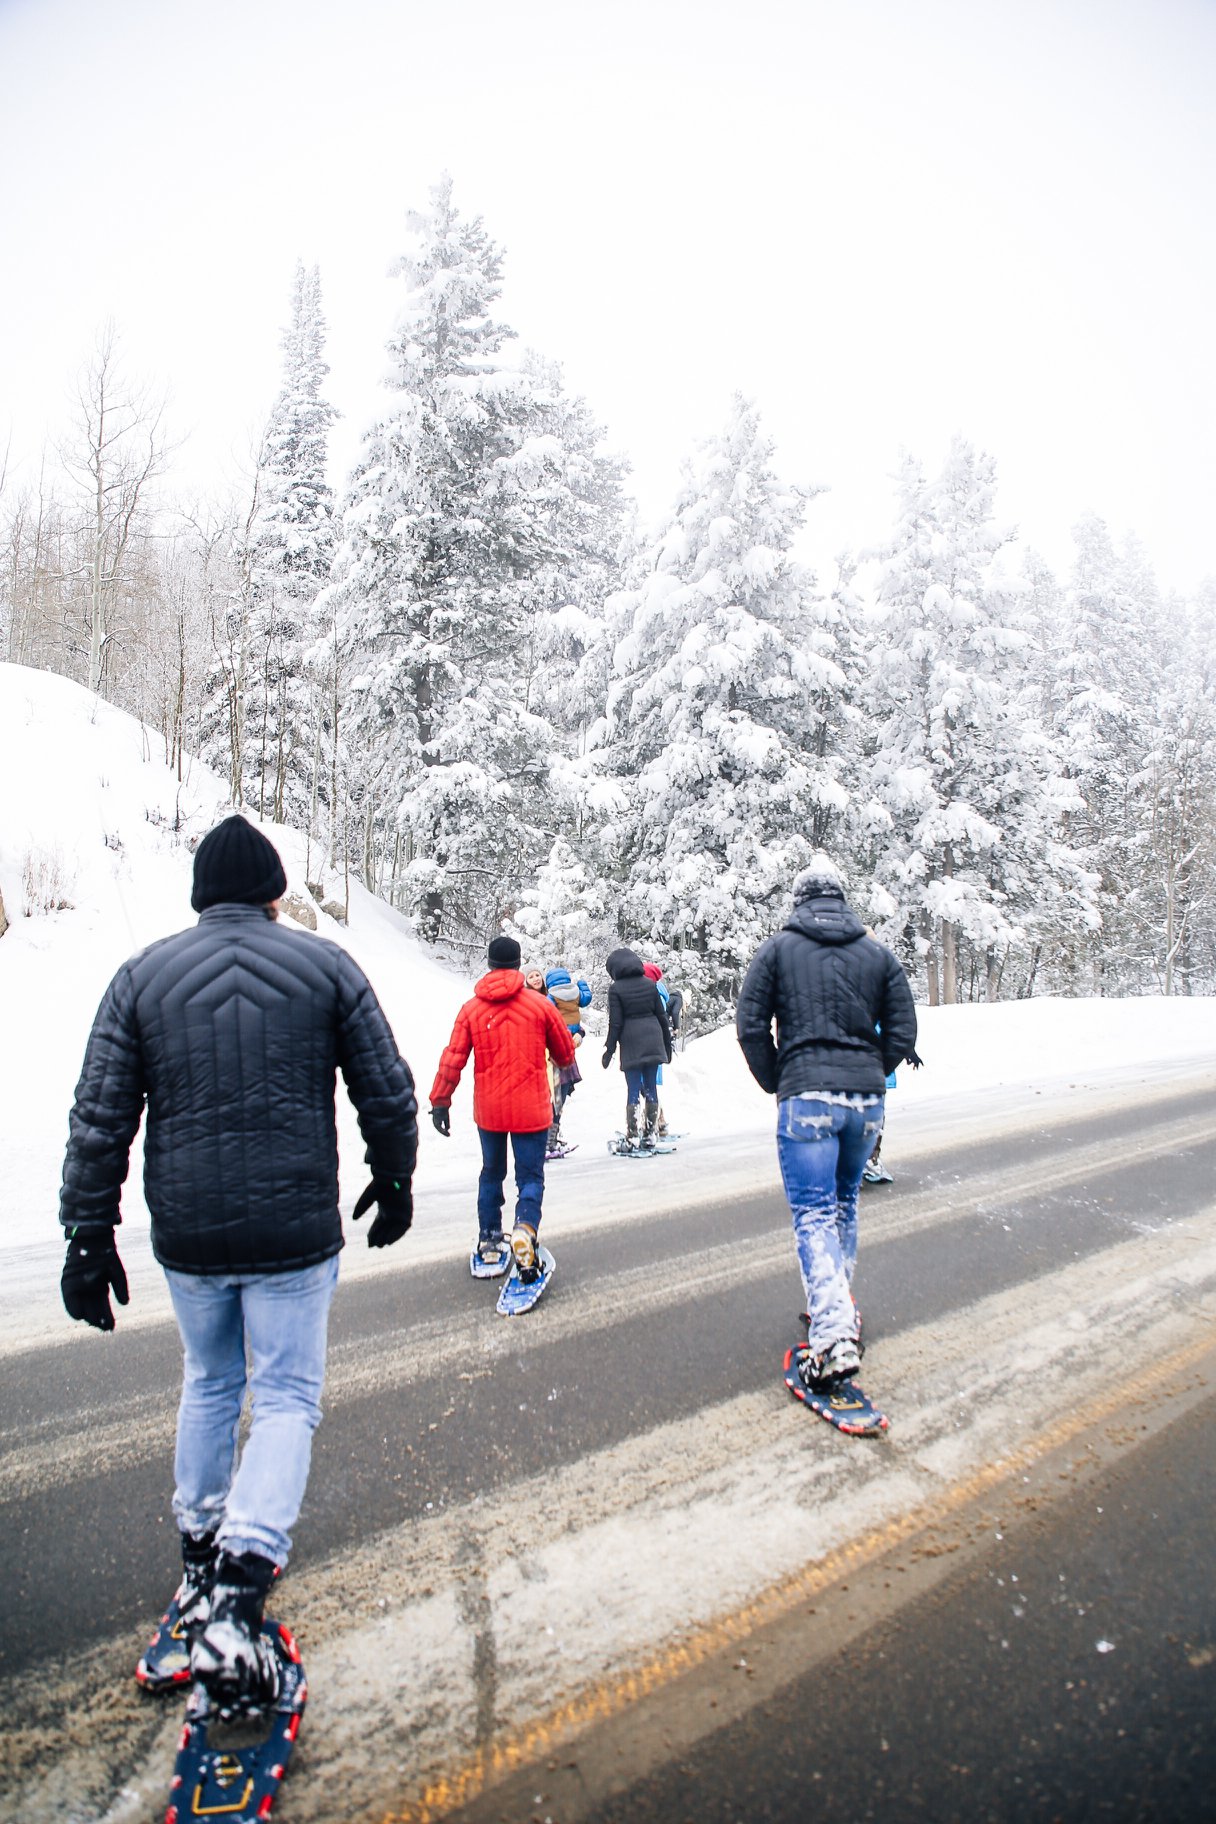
(285, 1318)
(212, 1330)
(633, 1097)
(556, 1099)
(529, 1150)
(650, 1097)
(490, 1183)
(808, 1152)
(858, 1130)
(286, 1323)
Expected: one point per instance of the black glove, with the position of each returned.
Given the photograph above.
(441, 1121)
(394, 1216)
(91, 1272)
(914, 1061)
(606, 1059)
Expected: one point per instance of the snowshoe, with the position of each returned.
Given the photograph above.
(230, 1770)
(622, 1147)
(165, 1664)
(491, 1258)
(520, 1294)
(840, 1401)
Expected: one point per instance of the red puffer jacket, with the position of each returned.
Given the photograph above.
(511, 1031)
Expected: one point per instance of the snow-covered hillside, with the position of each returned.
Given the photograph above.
(93, 819)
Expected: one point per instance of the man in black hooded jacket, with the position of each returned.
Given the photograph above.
(845, 1018)
(231, 1034)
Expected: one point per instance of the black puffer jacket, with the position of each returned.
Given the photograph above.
(828, 986)
(233, 1032)
(637, 1018)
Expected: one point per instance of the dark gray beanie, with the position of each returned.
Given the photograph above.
(820, 876)
(235, 864)
(504, 953)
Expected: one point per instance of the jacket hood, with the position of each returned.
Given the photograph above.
(622, 963)
(499, 985)
(827, 919)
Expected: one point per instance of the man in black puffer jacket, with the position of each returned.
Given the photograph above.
(232, 1033)
(845, 1018)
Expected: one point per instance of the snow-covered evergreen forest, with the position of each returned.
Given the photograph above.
(487, 692)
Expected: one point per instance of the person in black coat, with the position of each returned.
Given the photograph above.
(231, 1035)
(844, 1018)
(638, 1025)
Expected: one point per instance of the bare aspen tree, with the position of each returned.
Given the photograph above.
(116, 455)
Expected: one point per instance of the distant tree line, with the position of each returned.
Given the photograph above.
(480, 689)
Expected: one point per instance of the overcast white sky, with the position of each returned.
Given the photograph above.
(885, 220)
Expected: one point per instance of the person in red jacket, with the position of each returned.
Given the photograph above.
(512, 1032)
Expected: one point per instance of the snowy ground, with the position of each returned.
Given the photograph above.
(89, 804)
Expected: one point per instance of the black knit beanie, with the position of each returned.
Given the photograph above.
(504, 953)
(234, 864)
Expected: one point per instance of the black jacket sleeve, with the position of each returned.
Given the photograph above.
(898, 1016)
(754, 1018)
(616, 1019)
(106, 1113)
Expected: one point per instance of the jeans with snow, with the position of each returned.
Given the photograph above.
(283, 1319)
(529, 1150)
(642, 1083)
(822, 1148)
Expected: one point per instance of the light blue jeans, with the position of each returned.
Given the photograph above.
(822, 1148)
(283, 1319)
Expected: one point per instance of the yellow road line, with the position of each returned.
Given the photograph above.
(614, 1695)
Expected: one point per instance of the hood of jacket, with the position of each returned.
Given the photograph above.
(499, 985)
(827, 919)
(622, 963)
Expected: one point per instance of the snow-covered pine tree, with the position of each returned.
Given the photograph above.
(1174, 897)
(455, 524)
(569, 653)
(722, 687)
(285, 709)
(967, 791)
(1107, 662)
(264, 713)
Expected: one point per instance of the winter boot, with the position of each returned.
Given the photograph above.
(165, 1665)
(631, 1123)
(662, 1123)
(874, 1171)
(651, 1128)
(231, 1658)
(838, 1361)
(492, 1251)
(858, 1334)
(523, 1246)
(193, 1598)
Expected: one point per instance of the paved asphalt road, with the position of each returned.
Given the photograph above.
(979, 1692)
(1068, 1673)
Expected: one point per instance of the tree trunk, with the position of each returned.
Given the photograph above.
(949, 942)
(926, 927)
(993, 972)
